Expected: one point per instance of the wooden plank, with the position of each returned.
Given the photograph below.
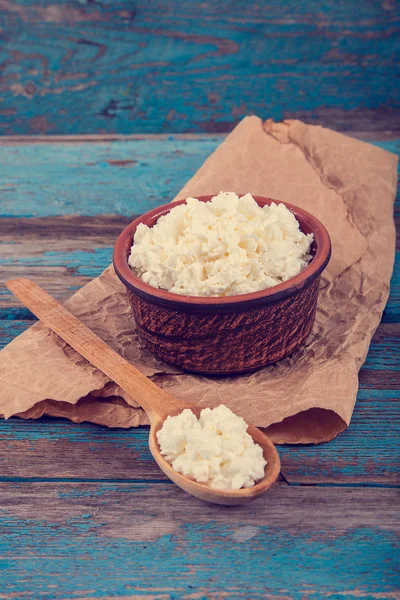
(9, 329)
(62, 253)
(101, 229)
(118, 178)
(61, 280)
(384, 352)
(16, 140)
(97, 230)
(59, 253)
(367, 453)
(374, 421)
(13, 140)
(63, 272)
(128, 541)
(114, 68)
(58, 281)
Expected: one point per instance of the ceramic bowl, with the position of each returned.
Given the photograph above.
(225, 335)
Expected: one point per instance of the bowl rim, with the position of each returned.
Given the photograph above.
(277, 292)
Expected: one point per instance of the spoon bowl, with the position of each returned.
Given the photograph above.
(157, 403)
(204, 491)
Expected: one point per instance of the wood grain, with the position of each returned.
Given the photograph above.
(328, 529)
(118, 67)
(105, 540)
(155, 401)
(120, 178)
(115, 178)
(366, 453)
(76, 179)
(64, 252)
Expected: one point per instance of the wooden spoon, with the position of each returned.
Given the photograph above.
(157, 403)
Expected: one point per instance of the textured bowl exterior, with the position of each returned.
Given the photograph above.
(226, 343)
(225, 335)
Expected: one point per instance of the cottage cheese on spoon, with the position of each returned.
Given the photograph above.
(214, 449)
(224, 247)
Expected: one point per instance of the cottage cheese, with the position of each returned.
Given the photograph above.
(224, 247)
(214, 449)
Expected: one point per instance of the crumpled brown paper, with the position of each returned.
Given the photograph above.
(309, 397)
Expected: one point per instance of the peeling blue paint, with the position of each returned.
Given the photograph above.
(55, 179)
(88, 263)
(76, 556)
(214, 63)
(58, 560)
(16, 314)
(68, 179)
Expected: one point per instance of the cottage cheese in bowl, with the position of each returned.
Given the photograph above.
(223, 247)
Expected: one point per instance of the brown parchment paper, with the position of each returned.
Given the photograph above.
(350, 186)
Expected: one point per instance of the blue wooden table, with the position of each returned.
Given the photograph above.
(84, 511)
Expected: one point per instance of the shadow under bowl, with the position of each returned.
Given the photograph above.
(225, 335)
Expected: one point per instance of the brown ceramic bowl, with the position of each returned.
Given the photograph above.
(225, 335)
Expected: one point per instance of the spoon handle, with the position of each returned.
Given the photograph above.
(149, 396)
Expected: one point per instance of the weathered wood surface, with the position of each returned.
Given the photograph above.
(118, 66)
(77, 511)
(64, 252)
(108, 540)
(106, 178)
(113, 178)
(367, 453)
(117, 178)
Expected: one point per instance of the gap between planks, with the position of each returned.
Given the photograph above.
(149, 481)
(115, 137)
(5, 140)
